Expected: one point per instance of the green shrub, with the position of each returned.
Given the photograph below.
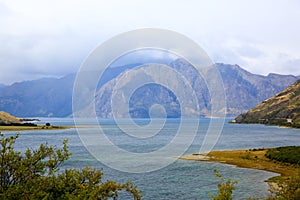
(225, 188)
(289, 154)
(34, 175)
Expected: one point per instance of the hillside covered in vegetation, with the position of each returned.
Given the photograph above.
(282, 109)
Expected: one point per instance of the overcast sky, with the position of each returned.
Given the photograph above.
(52, 38)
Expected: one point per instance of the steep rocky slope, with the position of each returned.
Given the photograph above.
(243, 91)
(281, 109)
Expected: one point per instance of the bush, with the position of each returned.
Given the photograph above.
(34, 175)
(225, 188)
(289, 154)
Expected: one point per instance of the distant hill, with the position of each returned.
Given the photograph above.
(281, 109)
(6, 118)
(52, 97)
(45, 97)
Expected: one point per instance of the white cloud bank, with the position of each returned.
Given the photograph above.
(52, 38)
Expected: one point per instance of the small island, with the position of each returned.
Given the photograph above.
(9, 122)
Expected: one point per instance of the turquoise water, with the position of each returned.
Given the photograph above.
(182, 179)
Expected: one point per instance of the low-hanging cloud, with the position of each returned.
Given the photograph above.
(52, 38)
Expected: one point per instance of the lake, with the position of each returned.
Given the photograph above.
(181, 179)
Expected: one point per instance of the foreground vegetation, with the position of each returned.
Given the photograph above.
(35, 174)
(225, 188)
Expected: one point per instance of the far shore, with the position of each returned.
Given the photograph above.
(29, 128)
(251, 158)
(40, 127)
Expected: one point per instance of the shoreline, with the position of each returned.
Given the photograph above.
(251, 158)
(40, 127)
(32, 128)
(296, 126)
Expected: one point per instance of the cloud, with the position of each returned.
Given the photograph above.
(4, 10)
(281, 63)
(52, 38)
(249, 51)
(145, 56)
(43, 55)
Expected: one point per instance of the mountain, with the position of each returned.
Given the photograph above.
(281, 109)
(113, 72)
(45, 97)
(243, 91)
(52, 97)
(152, 94)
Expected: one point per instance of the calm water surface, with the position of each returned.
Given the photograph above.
(182, 179)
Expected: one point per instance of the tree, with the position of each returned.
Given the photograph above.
(225, 188)
(35, 174)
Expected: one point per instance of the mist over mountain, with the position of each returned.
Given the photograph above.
(2, 85)
(46, 97)
(53, 96)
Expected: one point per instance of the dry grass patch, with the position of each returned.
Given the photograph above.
(247, 159)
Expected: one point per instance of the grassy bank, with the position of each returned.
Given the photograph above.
(38, 127)
(253, 158)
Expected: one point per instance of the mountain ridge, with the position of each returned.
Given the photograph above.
(243, 91)
(52, 97)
